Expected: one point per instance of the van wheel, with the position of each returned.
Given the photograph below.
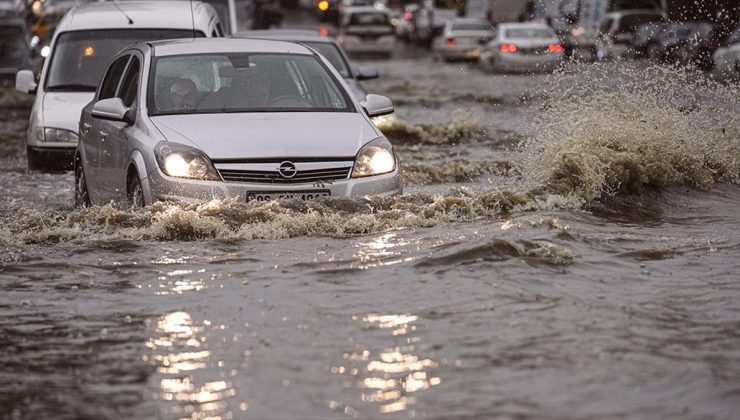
(82, 195)
(135, 193)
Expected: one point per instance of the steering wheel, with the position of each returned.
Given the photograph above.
(289, 101)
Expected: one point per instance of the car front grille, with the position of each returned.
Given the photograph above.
(274, 177)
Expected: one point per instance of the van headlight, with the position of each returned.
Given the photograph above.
(375, 158)
(180, 161)
(57, 135)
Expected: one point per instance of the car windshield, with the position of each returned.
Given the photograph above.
(331, 52)
(13, 48)
(80, 58)
(368, 19)
(527, 33)
(241, 82)
(470, 27)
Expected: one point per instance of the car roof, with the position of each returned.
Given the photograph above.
(169, 14)
(286, 35)
(191, 46)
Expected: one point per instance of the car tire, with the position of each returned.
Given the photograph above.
(82, 194)
(135, 193)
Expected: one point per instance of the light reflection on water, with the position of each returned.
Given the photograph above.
(383, 250)
(181, 355)
(392, 377)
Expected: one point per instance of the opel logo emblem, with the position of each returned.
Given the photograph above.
(287, 170)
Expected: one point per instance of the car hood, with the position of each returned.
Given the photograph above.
(63, 109)
(270, 135)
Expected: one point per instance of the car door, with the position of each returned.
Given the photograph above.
(91, 129)
(115, 143)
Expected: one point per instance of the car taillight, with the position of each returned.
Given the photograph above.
(323, 31)
(555, 48)
(450, 42)
(408, 16)
(509, 48)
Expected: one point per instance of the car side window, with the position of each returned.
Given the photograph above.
(130, 83)
(219, 30)
(112, 77)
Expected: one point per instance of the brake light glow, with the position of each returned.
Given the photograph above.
(509, 48)
(555, 48)
(323, 31)
(450, 42)
(408, 16)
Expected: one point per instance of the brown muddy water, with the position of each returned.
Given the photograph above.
(567, 247)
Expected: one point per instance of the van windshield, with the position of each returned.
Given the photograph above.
(80, 58)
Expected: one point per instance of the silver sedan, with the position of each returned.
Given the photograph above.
(216, 118)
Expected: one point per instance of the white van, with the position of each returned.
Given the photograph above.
(86, 39)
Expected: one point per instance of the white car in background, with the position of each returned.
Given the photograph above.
(463, 38)
(524, 47)
(198, 119)
(727, 57)
(366, 30)
(85, 40)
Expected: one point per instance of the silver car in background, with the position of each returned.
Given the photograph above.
(327, 47)
(198, 119)
(462, 39)
(523, 47)
(367, 30)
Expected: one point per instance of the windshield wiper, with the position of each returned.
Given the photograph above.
(72, 88)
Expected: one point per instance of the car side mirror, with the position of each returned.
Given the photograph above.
(112, 109)
(25, 82)
(367, 73)
(376, 105)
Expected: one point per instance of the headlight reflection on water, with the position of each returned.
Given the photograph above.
(180, 352)
(392, 376)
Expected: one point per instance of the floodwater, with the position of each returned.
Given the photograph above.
(567, 247)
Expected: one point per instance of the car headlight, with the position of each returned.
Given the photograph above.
(57, 135)
(375, 158)
(182, 161)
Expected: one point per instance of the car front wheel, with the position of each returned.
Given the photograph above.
(82, 195)
(135, 193)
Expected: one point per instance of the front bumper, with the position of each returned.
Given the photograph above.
(520, 62)
(50, 158)
(160, 187)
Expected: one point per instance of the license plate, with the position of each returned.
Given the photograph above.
(286, 195)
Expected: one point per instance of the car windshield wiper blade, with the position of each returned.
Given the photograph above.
(72, 88)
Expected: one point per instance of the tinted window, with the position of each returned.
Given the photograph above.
(80, 58)
(130, 83)
(331, 52)
(238, 82)
(110, 82)
(13, 46)
(629, 24)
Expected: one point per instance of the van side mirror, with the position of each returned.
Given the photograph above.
(25, 82)
(367, 73)
(112, 109)
(376, 105)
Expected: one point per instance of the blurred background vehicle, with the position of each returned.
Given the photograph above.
(462, 39)
(15, 49)
(618, 32)
(646, 36)
(330, 49)
(523, 47)
(366, 30)
(86, 39)
(684, 43)
(406, 25)
(432, 17)
(727, 57)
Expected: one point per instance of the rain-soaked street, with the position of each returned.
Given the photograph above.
(566, 247)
